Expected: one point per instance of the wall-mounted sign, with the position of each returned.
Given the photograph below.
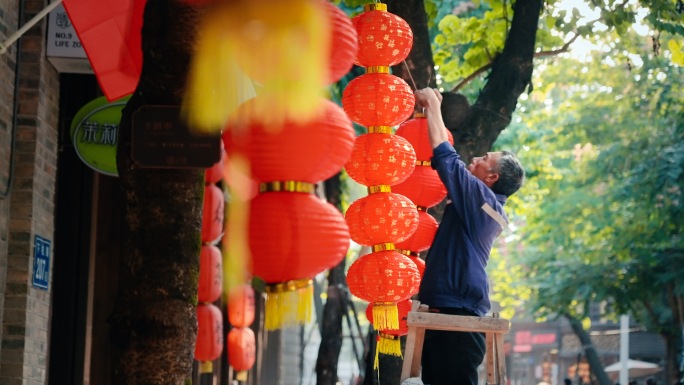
(160, 139)
(94, 133)
(64, 49)
(41, 263)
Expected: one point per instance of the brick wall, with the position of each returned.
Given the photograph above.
(29, 209)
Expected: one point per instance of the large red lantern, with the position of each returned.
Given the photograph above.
(211, 274)
(344, 45)
(378, 99)
(385, 39)
(209, 333)
(241, 351)
(296, 151)
(381, 218)
(416, 132)
(423, 187)
(212, 213)
(380, 159)
(384, 278)
(422, 238)
(241, 306)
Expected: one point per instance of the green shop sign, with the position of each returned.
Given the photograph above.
(94, 133)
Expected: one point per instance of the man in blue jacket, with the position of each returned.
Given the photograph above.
(455, 281)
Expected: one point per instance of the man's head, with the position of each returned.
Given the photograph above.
(501, 171)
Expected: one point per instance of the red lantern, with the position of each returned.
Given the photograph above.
(209, 333)
(381, 218)
(345, 44)
(416, 132)
(403, 307)
(380, 159)
(423, 236)
(211, 274)
(384, 278)
(385, 39)
(300, 236)
(423, 187)
(212, 214)
(420, 264)
(388, 340)
(241, 351)
(241, 306)
(378, 99)
(307, 152)
(214, 174)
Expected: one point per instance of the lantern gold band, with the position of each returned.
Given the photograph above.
(375, 7)
(407, 253)
(425, 163)
(293, 285)
(380, 129)
(377, 70)
(289, 186)
(379, 188)
(421, 208)
(383, 247)
(387, 336)
(419, 115)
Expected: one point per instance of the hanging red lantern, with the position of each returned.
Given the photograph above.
(423, 187)
(344, 45)
(378, 99)
(209, 333)
(309, 151)
(420, 263)
(385, 39)
(384, 278)
(416, 132)
(211, 274)
(380, 159)
(214, 174)
(241, 351)
(241, 306)
(380, 218)
(423, 236)
(403, 307)
(212, 213)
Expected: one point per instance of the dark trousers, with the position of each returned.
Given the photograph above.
(452, 358)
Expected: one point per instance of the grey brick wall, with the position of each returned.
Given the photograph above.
(28, 210)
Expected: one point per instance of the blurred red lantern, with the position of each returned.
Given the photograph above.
(384, 278)
(345, 44)
(423, 187)
(380, 159)
(381, 218)
(211, 274)
(241, 351)
(378, 99)
(310, 152)
(416, 132)
(241, 306)
(299, 236)
(212, 213)
(214, 174)
(385, 39)
(422, 238)
(209, 333)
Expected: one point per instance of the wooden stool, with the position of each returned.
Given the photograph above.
(419, 320)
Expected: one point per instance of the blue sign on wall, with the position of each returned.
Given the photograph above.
(41, 263)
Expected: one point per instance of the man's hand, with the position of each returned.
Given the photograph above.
(431, 100)
(428, 98)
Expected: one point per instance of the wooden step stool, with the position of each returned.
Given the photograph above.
(419, 319)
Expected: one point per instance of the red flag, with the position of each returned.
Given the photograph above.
(110, 32)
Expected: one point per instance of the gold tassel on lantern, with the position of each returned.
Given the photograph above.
(288, 304)
(282, 46)
(236, 253)
(385, 316)
(389, 344)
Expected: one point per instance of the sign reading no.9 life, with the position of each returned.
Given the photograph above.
(41, 263)
(160, 139)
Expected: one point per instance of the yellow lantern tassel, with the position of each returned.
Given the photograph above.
(282, 46)
(376, 360)
(385, 316)
(236, 254)
(241, 375)
(206, 367)
(389, 344)
(288, 304)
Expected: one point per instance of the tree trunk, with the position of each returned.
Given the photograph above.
(154, 324)
(589, 351)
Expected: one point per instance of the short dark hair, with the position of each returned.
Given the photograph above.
(511, 174)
